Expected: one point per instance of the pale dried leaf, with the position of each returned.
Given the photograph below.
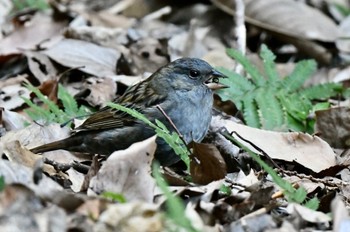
(342, 42)
(17, 173)
(10, 96)
(307, 214)
(310, 151)
(90, 58)
(341, 218)
(101, 90)
(35, 135)
(77, 179)
(41, 27)
(133, 216)
(127, 172)
(41, 66)
(12, 120)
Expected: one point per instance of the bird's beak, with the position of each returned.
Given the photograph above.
(213, 81)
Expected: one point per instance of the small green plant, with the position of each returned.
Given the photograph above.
(175, 207)
(19, 5)
(292, 195)
(271, 102)
(114, 196)
(2, 183)
(172, 138)
(53, 113)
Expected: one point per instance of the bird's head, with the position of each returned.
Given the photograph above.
(188, 73)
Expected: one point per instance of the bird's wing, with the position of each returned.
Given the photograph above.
(108, 118)
(136, 97)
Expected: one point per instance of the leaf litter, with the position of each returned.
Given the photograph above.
(97, 50)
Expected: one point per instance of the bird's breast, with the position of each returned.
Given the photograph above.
(191, 113)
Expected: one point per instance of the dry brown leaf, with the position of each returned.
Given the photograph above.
(310, 151)
(206, 164)
(90, 58)
(333, 125)
(128, 172)
(41, 27)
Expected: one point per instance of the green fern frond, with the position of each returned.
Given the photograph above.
(250, 112)
(300, 74)
(321, 91)
(269, 65)
(272, 117)
(236, 80)
(274, 103)
(254, 73)
(69, 103)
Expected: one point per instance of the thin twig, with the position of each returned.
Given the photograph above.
(172, 124)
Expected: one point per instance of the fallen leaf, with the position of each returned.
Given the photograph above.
(333, 125)
(206, 164)
(100, 90)
(133, 216)
(41, 27)
(127, 172)
(307, 214)
(310, 151)
(88, 57)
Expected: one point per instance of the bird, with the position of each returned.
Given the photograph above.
(183, 89)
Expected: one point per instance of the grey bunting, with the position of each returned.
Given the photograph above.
(183, 89)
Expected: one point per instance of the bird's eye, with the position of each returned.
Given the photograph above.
(194, 73)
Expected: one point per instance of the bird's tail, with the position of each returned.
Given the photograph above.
(60, 144)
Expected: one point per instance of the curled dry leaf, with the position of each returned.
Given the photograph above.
(128, 172)
(310, 151)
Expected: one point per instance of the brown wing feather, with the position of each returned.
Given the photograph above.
(137, 97)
